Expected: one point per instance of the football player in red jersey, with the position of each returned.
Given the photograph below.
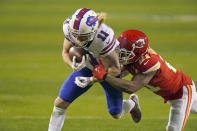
(150, 70)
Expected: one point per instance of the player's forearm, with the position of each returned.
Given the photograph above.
(65, 55)
(121, 84)
(124, 73)
(114, 71)
(66, 59)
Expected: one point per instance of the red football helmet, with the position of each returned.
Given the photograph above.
(133, 45)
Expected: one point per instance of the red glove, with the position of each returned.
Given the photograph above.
(99, 71)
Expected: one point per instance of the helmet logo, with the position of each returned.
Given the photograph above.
(139, 43)
(91, 20)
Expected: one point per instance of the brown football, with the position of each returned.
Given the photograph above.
(78, 52)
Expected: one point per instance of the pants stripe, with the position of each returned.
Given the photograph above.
(189, 90)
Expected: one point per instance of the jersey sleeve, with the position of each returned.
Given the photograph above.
(65, 28)
(110, 43)
(149, 65)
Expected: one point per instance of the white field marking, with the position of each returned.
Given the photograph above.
(163, 18)
(85, 117)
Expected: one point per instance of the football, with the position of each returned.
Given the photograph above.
(78, 52)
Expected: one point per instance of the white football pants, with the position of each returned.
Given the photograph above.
(180, 108)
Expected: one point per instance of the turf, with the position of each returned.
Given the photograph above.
(32, 70)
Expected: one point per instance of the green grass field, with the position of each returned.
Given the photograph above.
(32, 70)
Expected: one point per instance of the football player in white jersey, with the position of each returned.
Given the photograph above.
(86, 29)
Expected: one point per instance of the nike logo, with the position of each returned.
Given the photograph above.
(108, 41)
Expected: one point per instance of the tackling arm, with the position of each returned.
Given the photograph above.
(124, 72)
(137, 82)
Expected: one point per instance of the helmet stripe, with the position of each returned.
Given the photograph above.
(79, 17)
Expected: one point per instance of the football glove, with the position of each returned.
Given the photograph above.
(78, 66)
(99, 71)
(83, 81)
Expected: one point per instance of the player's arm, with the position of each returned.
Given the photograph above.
(66, 46)
(112, 62)
(124, 72)
(138, 81)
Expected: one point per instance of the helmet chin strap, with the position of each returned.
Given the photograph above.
(88, 44)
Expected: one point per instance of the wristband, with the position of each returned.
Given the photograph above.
(105, 76)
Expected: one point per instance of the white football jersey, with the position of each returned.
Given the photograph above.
(103, 43)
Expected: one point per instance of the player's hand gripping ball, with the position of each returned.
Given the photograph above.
(79, 57)
(78, 52)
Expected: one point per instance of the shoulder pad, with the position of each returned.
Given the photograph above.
(149, 64)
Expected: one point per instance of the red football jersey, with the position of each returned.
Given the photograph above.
(167, 82)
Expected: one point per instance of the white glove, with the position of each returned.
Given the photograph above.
(83, 81)
(78, 66)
